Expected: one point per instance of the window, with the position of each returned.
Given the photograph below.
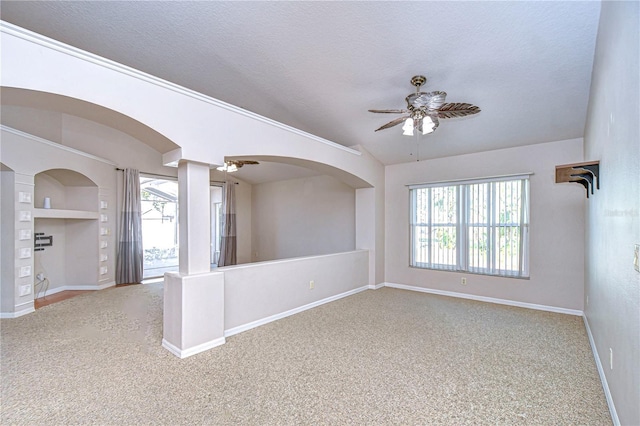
(479, 226)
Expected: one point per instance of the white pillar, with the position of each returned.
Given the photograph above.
(194, 217)
(370, 230)
(193, 317)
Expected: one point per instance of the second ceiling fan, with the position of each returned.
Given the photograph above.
(233, 165)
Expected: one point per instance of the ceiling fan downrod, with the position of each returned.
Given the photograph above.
(417, 81)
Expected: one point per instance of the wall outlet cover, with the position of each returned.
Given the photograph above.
(25, 290)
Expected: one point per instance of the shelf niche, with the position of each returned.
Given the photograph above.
(67, 190)
(72, 222)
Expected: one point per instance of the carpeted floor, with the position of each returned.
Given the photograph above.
(379, 357)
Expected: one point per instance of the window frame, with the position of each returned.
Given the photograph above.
(492, 226)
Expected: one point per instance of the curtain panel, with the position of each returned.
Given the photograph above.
(228, 244)
(130, 258)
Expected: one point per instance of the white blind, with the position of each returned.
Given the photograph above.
(468, 181)
(479, 225)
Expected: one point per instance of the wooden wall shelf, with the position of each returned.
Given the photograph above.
(586, 174)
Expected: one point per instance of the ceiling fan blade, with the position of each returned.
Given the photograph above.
(389, 111)
(453, 110)
(240, 163)
(394, 122)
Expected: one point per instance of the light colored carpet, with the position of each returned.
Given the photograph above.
(379, 357)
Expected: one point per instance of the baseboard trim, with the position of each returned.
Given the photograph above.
(266, 320)
(487, 299)
(603, 378)
(184, 353)
(77, 287)
(376, 286)
(25, 311)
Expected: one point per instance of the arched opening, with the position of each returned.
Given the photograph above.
(65, 189)
(31, 111)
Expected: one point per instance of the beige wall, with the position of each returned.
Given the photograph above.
(302, 217)
(557, 222)
(612, 136)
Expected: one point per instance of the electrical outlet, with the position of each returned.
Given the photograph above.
(40, 276)
(312, 285)
(25, 290)
(463, 281)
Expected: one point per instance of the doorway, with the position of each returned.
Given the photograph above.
(159, 202)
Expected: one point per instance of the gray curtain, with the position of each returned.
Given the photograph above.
(228, 242)
(130, 258)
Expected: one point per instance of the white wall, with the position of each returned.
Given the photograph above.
(7, 242)
(120, 148)
(74, 258)
(253, 293)
(302, 217)
(52, 260)
(557, 223)
(612, 136)
(87, 136)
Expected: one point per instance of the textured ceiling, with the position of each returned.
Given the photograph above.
(319, 66)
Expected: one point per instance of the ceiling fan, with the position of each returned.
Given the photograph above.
(424, 109)
(233, 165)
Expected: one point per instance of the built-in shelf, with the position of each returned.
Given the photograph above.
(64, 214)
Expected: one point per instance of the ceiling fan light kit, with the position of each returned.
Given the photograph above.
(424, 109)
(226, 167)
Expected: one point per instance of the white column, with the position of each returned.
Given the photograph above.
(194, 217)
(193, 316)
(370, 230)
